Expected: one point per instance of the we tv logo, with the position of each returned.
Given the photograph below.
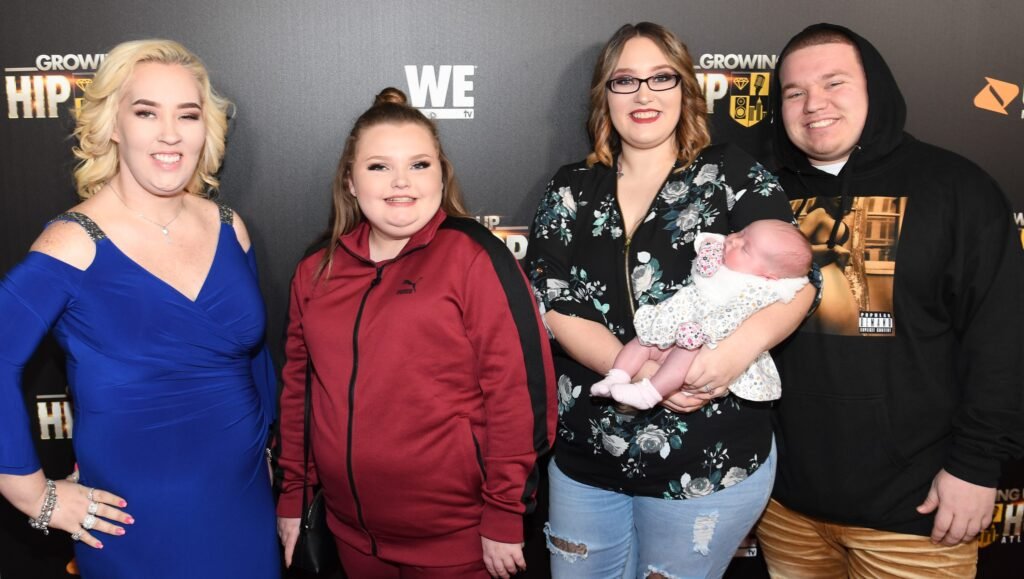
(429, 87)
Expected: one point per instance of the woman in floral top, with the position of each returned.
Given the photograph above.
(671, 490)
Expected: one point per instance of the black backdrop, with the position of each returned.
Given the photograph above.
(513, 75)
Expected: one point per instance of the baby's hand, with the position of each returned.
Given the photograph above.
(683, 402)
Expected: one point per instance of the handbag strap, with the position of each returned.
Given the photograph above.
(305, 437)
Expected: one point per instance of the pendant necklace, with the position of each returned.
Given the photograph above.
(163, 226)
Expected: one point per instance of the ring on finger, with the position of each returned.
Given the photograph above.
(89, 522)
(93, 507)
(89, 496)
(77, 535)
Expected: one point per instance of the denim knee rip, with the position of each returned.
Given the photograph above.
(655, 573)
(566, 549)
(703, 531)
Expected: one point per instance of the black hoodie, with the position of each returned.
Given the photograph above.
(912, 363)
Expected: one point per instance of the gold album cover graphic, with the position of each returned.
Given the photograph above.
(856, 252)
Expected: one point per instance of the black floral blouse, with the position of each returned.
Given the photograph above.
(581, 264)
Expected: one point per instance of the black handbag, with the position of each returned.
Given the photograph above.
(315, 550)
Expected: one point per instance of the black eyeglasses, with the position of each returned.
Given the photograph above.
(659, 82)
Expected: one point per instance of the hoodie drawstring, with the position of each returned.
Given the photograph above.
(845, 199)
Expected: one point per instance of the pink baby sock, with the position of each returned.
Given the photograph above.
(641, 395)
(604, 387)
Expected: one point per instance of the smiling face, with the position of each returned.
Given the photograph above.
(824, 101)
(645, 119)
(159, 129)
(396, 178)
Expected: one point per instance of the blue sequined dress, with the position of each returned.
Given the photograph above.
(173, 399)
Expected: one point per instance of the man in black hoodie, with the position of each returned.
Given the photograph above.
(902, 394)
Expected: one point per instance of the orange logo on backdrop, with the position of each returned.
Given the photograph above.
(996, 96)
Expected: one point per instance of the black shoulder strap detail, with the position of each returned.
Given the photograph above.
(480, 234)
(227, 215)
(90, 227)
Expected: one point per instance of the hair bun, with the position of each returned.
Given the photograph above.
(390, 95)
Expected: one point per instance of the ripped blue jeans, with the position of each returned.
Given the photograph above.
(598, 533)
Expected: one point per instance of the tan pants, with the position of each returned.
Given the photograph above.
(799, 547)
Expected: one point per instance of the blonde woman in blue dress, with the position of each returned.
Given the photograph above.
(150, 288)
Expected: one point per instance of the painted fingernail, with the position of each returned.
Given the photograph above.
(119, 531)
(123, 504)
(130, 520)
(99, 545)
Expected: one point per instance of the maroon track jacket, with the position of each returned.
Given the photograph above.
(433, 394)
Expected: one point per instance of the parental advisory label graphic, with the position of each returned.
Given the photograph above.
(876, 323)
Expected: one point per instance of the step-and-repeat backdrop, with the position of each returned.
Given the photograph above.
(507, 82)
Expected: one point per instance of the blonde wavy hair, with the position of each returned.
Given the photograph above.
(692, 134)
(390, 106)
(96, 120)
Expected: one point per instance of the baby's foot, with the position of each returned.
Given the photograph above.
(604, 387)
(642, 394)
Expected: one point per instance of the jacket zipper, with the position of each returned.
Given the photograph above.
(625, 251)
(629, 278)
(351, 403)
(629, 238)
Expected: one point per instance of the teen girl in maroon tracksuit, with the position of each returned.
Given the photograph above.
(433, 390)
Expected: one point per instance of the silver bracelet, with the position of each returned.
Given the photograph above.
(42, 522)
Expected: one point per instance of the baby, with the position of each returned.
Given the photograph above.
(733, 277)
